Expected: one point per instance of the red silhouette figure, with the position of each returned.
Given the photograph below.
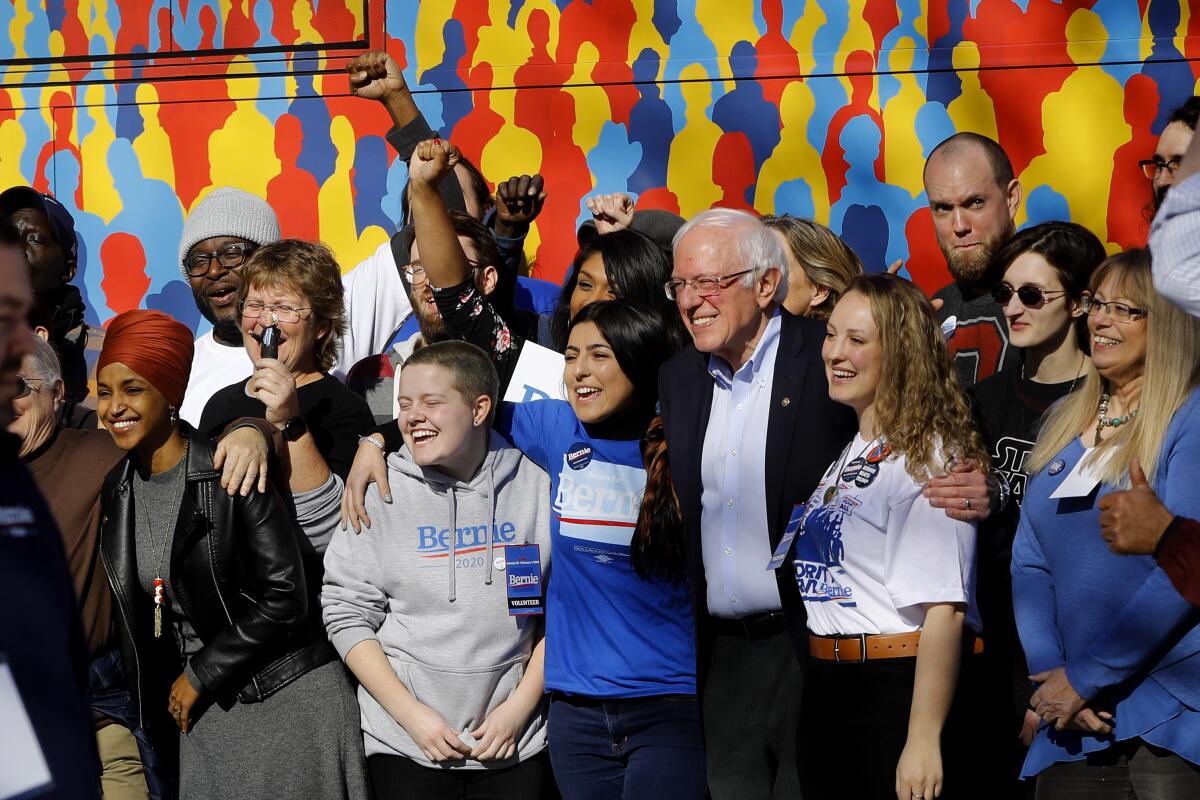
(776, 56)
(1017, 95)
(1129, 194)
(293, 192)
(882, 16)
(859, 67)
(477, 128)
(733, 170)
(569, 180)
(607, 24)
(125, 281)
(926, 265)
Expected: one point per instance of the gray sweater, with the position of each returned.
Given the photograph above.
(427, 581)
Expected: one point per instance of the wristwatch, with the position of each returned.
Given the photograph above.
(294, 428)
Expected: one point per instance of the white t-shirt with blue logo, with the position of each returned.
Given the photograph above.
(609, 632)
(871, 550)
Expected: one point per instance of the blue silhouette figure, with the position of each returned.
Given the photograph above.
(318, 156)
(745, 109)
(456, 100)
(651, 125)
(370, 184)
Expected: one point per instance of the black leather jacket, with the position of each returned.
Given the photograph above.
(237, 575)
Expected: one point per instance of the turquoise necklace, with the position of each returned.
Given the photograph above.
(1106, 421)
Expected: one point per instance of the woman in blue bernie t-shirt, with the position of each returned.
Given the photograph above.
(1113, 645)
(620, 652)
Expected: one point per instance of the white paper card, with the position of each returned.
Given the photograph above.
(22, 766)
(1082, 480)
(538, 376)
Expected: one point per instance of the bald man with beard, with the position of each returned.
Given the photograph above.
(973, 197)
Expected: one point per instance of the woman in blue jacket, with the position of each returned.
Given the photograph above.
(1113, 646)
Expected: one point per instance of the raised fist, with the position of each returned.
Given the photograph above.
(376, 76)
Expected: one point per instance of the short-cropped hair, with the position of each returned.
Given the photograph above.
(45, 361)
(474, 374)
(310, 269)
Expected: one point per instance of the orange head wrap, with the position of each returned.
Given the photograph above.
(156, 346)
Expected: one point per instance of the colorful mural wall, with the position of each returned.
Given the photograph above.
(131, 110)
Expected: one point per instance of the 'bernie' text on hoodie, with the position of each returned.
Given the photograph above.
(427, 580)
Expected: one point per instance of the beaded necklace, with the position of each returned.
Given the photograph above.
(1106, 421)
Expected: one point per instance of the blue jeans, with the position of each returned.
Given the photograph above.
(648, 747)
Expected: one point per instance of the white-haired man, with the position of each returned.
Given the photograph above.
(750, 430)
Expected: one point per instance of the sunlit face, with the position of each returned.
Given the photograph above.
(216, 291)
(592, 284)
(1172, 144)
(972, 214)
(296, 340)
(429, 319)
(35, 415)
(1047, 323)
(131, 409)
(16, 339)
(597, 387)
(727, 322)
(803, 295)
(1118, 348)
(852, 354)
(441, 427)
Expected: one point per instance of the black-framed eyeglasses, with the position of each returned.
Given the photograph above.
(704, 286)
(1029, 295)
(231, 256)
(417, 275)
(1118, 312)
(253, 309)
(1152, 166)
(26, 385)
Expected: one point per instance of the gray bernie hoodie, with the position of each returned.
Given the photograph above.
(427, 580)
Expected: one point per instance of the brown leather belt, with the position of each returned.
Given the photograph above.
(871, 647)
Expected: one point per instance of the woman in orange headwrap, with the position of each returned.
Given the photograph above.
(211, 597)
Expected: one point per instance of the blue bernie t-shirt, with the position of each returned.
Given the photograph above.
(609, 632)
(1127, 637)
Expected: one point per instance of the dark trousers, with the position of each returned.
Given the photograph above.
(399, 778)
(1129, 770)
(638, 749)
(751, 707)
(854, 726)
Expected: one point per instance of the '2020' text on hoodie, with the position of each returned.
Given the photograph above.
(428, 581)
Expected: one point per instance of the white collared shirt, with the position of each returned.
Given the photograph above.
(735, 542)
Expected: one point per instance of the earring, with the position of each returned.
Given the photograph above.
(174, 415)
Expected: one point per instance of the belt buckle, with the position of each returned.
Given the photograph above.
(862, 649)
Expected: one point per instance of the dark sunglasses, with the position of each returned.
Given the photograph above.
(1030, 296)
(25, 386)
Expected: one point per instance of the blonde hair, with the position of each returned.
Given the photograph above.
(919, 405)
(1170, 374)
(827, 261)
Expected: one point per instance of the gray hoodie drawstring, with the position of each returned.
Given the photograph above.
(491, 522)
(453, 535)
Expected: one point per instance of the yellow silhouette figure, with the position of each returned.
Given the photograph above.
(242, 152)
(794, 156)
(725, 23)
(99, 194)
(302, 15)
(153, 145)
(428, 42)
(592, 109)
(12, 144)
(903, 160)
(972, 110)
(644, 35)
(94, 16)
(335, 204)
(1083, 124)
(803, 33)
(689, 170)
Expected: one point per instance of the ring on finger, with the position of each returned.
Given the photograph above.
(968, 509)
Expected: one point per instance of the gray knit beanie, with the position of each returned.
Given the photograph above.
(228, 212)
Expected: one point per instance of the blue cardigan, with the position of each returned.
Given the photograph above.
(1128, 639)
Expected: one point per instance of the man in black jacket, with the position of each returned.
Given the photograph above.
(750, 429)
(42, 651)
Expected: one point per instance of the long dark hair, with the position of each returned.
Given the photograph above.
(636, 269)
(642, 339)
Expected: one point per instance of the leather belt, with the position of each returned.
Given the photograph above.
(871, 647)
(755, 626)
